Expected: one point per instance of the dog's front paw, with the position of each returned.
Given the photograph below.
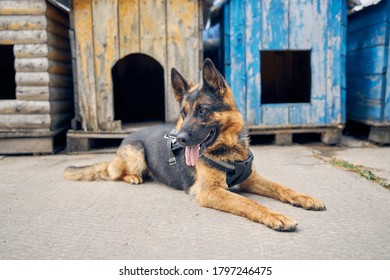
(132, 179)
(308, 203)
(280, 222)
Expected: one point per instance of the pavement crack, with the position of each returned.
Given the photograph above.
(363, 171)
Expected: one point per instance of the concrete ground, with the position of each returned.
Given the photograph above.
(43, 216)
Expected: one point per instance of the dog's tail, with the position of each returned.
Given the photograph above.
(96, 172)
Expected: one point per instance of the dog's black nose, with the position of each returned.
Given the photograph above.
(183, 138)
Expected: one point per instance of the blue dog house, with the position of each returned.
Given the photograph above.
(368, 79)
(285, 62)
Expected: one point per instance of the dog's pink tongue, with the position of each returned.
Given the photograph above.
(192, 155)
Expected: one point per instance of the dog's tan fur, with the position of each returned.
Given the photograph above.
(128, 165)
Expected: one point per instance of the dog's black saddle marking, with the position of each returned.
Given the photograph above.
(236, 172)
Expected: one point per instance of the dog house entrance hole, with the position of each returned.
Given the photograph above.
(138, 83)
(7, 72)
(285, 77)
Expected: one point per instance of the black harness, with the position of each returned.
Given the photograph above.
(236, 172)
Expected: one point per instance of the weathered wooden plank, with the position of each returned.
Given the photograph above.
(275, 25)
(252, 61)
(58, 42)
(318, 111)
(334, 34)
(319, 52)
(30, 50)
(22, 37)
(77, 118)
(42, 79)
(22, 7)
(366, 87)
(370, 36)
(22, 22)
(367, 61)
(183, 46)
(35, 107)
(302, 19)
(300, 114)
(319, 67)
(274, 114)
(153, 40)
(105, 29)
(57, 28)
(237, 52)
(364, 110)
(43, 93)
(42, 64)
(41, 50)
(25, 121)
(129, 32)
(22, 146)
(24, 107)
(294, 129)
(85, 64)
(33, 37)
(17, 132)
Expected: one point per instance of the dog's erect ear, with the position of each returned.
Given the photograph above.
(179, 84)
(212, 78)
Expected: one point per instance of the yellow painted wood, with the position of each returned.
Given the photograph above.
(129, 32)
(85, 64)
(105, 30)
(153, 30)
(183, 46)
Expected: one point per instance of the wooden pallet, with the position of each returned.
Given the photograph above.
(330, 135)
(82, 141)
(376, 132)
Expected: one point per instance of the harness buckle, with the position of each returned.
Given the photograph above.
(171, 143)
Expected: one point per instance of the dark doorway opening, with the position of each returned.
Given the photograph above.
(7, 72)
(285, 77)
(138, 83)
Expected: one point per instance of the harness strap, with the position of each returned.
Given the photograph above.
(172, 145)
(237, 172)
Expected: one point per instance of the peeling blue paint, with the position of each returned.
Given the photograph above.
(318, 26)
(368, 88)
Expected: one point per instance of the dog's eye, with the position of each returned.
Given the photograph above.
(202, 111)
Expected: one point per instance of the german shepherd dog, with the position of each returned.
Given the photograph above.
(210, 134)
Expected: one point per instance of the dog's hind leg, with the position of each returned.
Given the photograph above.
(258, 185)
(129, 164)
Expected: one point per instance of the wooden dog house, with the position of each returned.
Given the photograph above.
(285, 62)
(368, 66)
(123, 52)
(36, 95)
